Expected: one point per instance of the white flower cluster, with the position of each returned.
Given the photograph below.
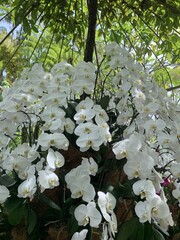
(151, 139)
(91, 134)
(154, 207)
(33, 107)
(140, 160)
(36, 129)
(78, 181)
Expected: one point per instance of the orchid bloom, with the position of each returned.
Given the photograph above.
(143, 211)
(47, 179)
(78, 181)
(53, 139)
(91, 165)
(144, 188)
(55, 159)
(88, 214)
(4, 194)
(80, 235)
(27, 188)
(107, 203)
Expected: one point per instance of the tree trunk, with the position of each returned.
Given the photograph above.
(90, 41)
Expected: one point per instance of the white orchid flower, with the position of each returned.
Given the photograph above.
(112, 225)
(27, 188)
(107, 203)
(88, 214)
(53, 139)
(55, 159)
(47, 179)
(144, 188)
(78, 181)
(80, 235)
(143, 211)
(4, 194)
(91, 165)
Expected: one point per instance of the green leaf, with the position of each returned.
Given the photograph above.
(70, 111)
(157, 235)
(35, 29)
(127, 230)
(26, 26)
(67, 210)
(44, 199)
(104, 102)
(148, 231)
(34, 15)
(7, 180)
(72, 225)
(15, 208)
(140, 232)
(16, 215)
(3, 8)
(124, 190)
(89, 234)
(32, 220)
(134, 230)
(13, 202)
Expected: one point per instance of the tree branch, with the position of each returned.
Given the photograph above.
(173, 88)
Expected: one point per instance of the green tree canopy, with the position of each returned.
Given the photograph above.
(147, 28)
(8, 63)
